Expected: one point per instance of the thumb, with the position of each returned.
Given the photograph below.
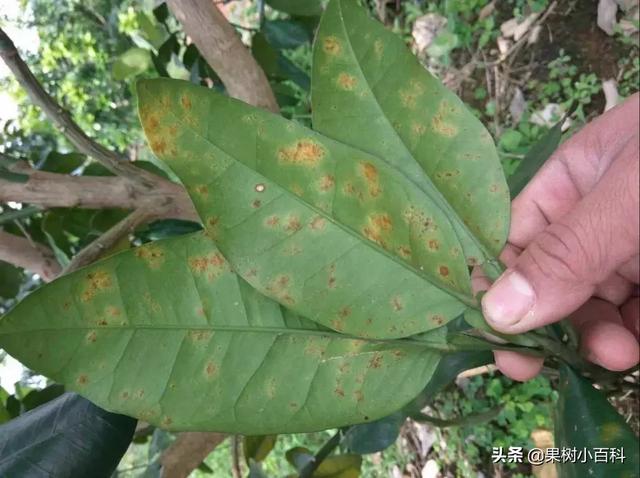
(559, 270)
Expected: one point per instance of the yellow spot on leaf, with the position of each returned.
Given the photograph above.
(326, 183)
(151, 254)
(304, 152)
(370, 174)
(346, 81)
(331, 45)
(97, 281)
(186, 102)
(439, 123)
(318, 223)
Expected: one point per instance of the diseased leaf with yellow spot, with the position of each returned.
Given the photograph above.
(330, 232)
(185, 344)
(369, 91)
(586, 421)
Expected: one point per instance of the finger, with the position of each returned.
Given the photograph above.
(572, 171)
(630, 312)
(604, 339)
(609, 344)
(560, 269)
(630, 270)
(614, 289)
(517, 366)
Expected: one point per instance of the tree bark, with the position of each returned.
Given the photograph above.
(187, 452)
(221, 46)
(21, 252)
(165, 200)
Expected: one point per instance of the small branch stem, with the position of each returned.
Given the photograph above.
(323, 453)
(94, 250)
(236, 470)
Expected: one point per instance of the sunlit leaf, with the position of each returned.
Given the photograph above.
(132, 62)
(369, 91)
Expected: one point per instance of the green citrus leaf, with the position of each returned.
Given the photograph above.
(375, 436)
(68, 436)
(132, 62)
(370, 92)
(586, 421)
(534, 159)
(330, 232)
(297, 7)
(148, 330)
(257, 447)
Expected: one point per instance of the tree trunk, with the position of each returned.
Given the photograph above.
(220, 45)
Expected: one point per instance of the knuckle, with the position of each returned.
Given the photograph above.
(560, 254)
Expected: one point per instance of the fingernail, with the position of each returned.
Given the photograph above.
(509, 299)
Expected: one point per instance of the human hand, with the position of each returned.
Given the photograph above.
(573, 248)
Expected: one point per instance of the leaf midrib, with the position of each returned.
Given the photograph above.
(240, 329)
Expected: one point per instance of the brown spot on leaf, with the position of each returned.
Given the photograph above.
(404, 251)
(202, 190)
(293, 224)
(166, 422)
(331, 45)
(418, 129)
(152, 124)
(439, 123)
(434, 245)
(318, 223)
(443, 271)
(370, 173)
(213, 264)
(82, 379)
(437, 319)
(382, 221)
(397, 304)
(344, 312)
(200, 335)
(493, 188)
(376, 360)
(91, 337)
(326, 183)
(113, 311)
(331, 283)
(279, 289)
(152, 254)
(159, 146)
(256, 204)
(210, 369)
(97, 281)
(346, 81)
(339, 391)
(186, 102)
(304, 152)
(272, 221)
